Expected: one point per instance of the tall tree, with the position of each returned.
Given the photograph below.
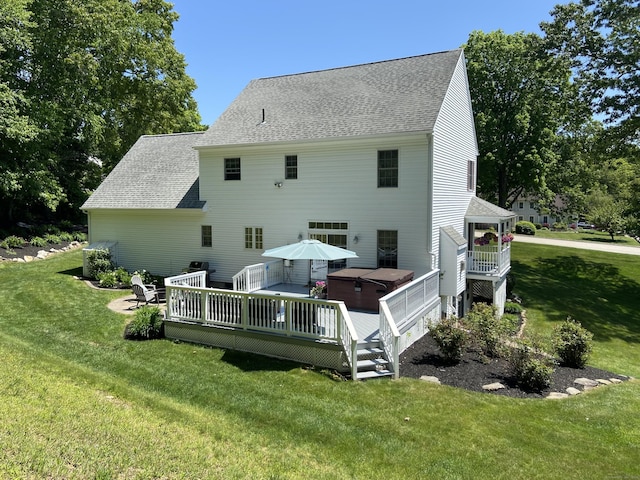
(601, 38)
(96, 75)
(521, 99)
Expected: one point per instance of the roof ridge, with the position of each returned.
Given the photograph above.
(172, 134)
(345, 67)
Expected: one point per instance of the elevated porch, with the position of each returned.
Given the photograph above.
(277, 319)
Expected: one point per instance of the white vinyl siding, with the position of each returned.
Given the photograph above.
(454, 147)
(337, 181)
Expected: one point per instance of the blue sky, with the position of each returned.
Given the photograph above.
(228, 43)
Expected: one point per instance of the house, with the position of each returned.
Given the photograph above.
(377, 158)
(527, 208)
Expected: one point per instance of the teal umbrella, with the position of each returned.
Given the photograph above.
(309, 250)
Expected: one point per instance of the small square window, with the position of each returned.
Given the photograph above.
(207, 236)
(232, 169)
(291, 167)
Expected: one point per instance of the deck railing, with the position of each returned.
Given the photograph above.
(488, 259)
(259, 276)
(300, 317)
(401, 307)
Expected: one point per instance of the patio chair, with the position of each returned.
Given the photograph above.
(144, 293)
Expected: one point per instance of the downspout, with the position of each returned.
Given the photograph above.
(429, 220)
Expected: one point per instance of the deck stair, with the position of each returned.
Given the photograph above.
(372, 362)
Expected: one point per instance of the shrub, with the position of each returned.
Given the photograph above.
(530, 370)
(52, 238)
(538, 226)
(65, 237)
(559, 226)
(525, 228)
(12, 241)
(510, 323)
(572, 343)
(123, 276)
(451, 339)
(107, 279)
(146, 324)
(99, 261)
(80, 236)
(512, 307)
(487, 331)
(38, 242)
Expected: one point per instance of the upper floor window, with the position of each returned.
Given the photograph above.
(387, 249)
(207, 236)
(520, 205)
(291, 167)
(232, 169)
(471, 175)
(253, 237)
(388, 168)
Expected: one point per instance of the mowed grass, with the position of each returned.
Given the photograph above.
(78, 401)
(585, 235)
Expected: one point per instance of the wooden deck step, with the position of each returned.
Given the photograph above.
(371, 363)
(374, 374)
(368, 351)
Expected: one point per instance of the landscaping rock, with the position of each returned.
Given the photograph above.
(28, 258)
(491, 387)
(428, 378)
(585, 382)
(602, 381)
(573, 391)
(557, 395)
(615, 380)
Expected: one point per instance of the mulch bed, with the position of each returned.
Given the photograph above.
(28, 250)
(472, 372)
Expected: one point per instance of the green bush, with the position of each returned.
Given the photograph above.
(451, 339)
(38, 242)
(80, 236)
(146, 324)
(487, 331)
(512, 307)
(510, 323)
(107, 279)
(525, 228)
(12, 241)
(559, 226)
(572, 343)
(99, 261)
(66, 237)
(123, 276)
(52, 238)
(530, 370)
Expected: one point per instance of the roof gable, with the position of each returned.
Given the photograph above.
(158, 172)
(395, 96)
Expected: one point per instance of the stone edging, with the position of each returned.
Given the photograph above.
(42, 254)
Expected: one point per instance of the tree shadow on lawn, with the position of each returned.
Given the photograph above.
(605, 302)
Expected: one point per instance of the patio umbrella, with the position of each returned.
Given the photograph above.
(309, 250)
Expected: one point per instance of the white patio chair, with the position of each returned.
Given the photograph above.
(144, 293)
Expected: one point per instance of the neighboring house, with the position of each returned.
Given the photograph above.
(528, 209)
(377, 158)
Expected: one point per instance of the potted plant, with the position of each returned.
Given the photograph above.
(320, 289)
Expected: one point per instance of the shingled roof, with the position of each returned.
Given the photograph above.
(395, 96)
(481, 211)
(158, 172)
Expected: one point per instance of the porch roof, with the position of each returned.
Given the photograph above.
(481, 211)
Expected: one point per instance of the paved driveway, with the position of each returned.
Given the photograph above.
(599, 246)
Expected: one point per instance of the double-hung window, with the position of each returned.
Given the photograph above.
(387, 249)
(291, 167)
(387, 168)
(207, 236)
(232, 169)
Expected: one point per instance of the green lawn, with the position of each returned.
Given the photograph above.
(588, 236)
(78, 401)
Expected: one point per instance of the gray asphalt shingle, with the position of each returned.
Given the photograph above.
(158, 172)
(394, 96)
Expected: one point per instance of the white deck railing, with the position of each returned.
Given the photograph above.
(259, 276)
(301, 317)
(401, 307)
(488, 260)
